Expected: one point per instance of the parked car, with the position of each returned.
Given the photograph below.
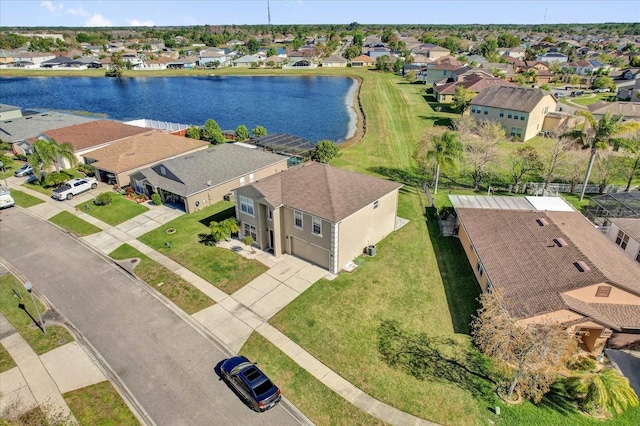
(253, 386)
(6, 200)
(23, 171)
(74, 187)
(603, 90)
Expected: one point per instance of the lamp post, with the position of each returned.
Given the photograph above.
(29, 287)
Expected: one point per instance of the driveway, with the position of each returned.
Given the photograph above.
(164, 358)
(629, 364)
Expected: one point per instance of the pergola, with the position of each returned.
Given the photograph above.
(611, 205)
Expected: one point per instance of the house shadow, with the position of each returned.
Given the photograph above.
(460, 285)
(219, 217)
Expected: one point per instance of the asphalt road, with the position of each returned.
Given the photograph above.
(158, 353)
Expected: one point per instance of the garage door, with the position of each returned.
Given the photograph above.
(309, 252)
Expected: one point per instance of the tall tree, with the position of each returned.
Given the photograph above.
(48, 153)
(599, 134)
(117, 65)
(462, 98)
(212, 133)
(524, 160)
(259, 131)
(242, 133)
(629, 146)
(325, 151)
(443, 150)
(481, 149)
(530, 361)
(553, 156)
(607, 167)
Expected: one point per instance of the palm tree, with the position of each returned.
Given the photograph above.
(445, 151)
(48, 153)
(606, 390)
(223, 230)
(599, 134)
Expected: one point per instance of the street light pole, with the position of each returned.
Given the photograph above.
(29, 287)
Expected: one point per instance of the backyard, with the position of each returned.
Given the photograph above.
(191, 246)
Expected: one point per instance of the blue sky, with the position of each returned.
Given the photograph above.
(239, 12)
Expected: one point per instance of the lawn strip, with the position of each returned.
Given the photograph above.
(73, 224)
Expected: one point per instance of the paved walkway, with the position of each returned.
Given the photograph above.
(234, 317)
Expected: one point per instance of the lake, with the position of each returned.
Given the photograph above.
(312, 107)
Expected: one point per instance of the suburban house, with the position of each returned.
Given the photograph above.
(625, 232)
(441, 69)
(323, 214)
(474, 82)
(520, 110)
(628, 110)
(247, 61)
(431, 51)
(628, 92)
(505, 70)
(550, 264)
(583, 66)
(514, 52)
(116, 161)
(87, 137)
(553, 57)
(334, 61)
(206, 177)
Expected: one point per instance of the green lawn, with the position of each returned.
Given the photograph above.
(12, 295)
(38, 188)
(224, 269)
(319, 403)
(599, 97)
(6, 362)
(74, 224)
(180, 292)
(574, 200)
(120, 210)
(25, 200)
(99, 405)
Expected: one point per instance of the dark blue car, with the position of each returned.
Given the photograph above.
(250, 383)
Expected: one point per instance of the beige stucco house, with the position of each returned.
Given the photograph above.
(520, 110)
(323, 214)
(116, 161)
(202, 178)
(551, 264)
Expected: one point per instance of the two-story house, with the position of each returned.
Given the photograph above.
(520, 110)
(323, 214)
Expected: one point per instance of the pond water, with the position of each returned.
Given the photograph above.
(312, 107)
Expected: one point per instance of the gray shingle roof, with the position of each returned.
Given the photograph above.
(30, 126)
(629, 226)
(192, 173)
(510, 97)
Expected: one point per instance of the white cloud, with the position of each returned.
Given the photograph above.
(98, 20)
(136, 23)
(77, 12)
(52, 8)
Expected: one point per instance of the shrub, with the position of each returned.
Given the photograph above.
(87, 169)
(129, 191)
(103, 199)
(156, 199)
(582, 363)
(22, 157)
(57, 178)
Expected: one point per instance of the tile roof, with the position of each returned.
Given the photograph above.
(510, 97)
(323, 191)
(364, 58)
(140, 150)
(521, 257)
(94, 133)
(200, 170)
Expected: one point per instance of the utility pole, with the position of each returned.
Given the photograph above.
(544, 21)
(269, 16)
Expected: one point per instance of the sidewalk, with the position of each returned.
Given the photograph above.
(234, 317)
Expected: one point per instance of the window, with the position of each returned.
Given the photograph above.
(622, 240)
(509, 114)
(251, 177)
(242, 181)
(375, 204)
(486, 110)
(515, 115)
(246, 205)
(522, 117)
(250, 230)
(501, 113)
(163, 171)
(297, 219)
(269, 213)
(317, 226)
(480, 268)
(603, 291)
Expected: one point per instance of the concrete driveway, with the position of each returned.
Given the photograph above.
(629, 364)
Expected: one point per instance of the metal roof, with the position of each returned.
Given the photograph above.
(505, 202)
(285, 144)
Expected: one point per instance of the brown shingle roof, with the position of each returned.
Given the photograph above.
(521, 258)
(322, 190)
(628, 225)
(140, 150)
(94, 133)
(510, 97)
(475, 83)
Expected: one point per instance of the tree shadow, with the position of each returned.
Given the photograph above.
(558, 400)
(220, 216)
(397, 175)
(460, 285)
(435, 358)
(206, 239)
(439, 120)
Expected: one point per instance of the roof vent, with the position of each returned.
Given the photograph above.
(560, 242)
(542, 221)
(208, 183)
(582, 266)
